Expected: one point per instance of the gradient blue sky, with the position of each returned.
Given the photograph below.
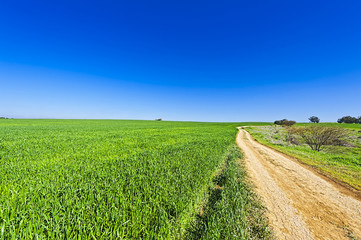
(180, 60)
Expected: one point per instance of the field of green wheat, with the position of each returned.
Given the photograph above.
(111, 179)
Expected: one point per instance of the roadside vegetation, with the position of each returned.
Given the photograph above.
(334, 149)
(232, 210)
(108, 179)
(317, 137)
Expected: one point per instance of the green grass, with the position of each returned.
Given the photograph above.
(341, 163)
(232, 210)
(110, 179)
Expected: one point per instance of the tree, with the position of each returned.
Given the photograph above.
(284, 122)
(348, 119)
(318, 136)
(314, 119)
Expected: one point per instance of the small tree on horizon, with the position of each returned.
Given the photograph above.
(314, 119)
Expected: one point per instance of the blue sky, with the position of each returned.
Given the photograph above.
(180, 60)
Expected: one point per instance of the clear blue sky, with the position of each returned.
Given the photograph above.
(180, 60)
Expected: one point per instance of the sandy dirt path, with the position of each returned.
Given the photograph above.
(300, 203)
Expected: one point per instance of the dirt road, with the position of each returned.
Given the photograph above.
(300, 203)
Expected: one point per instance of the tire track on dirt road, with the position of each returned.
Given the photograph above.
(301, 204)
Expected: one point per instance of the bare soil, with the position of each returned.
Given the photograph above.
(301, 204)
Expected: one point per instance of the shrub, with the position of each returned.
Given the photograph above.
(278, 122)
(291, 136)
(284, 122)
(318, 136)
(289, 123)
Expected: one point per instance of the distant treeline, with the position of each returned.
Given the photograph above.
(349, 119)
(314, 119)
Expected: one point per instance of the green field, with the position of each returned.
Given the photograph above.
(112, 179)
(339, 162)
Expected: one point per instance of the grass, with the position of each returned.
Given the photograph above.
(338, 162)
(232, 210)
(111, 179)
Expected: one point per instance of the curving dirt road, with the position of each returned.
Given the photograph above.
(301, 204)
